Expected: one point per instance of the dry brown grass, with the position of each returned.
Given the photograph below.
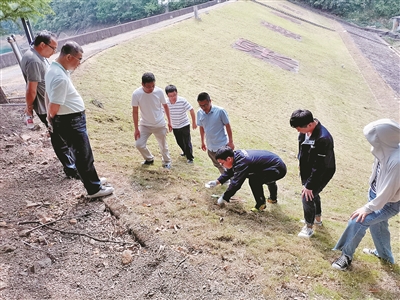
(197, 56)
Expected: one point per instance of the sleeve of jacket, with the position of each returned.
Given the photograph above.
(226, 176)
(321, 163)
(300, 140)
(387, 189)
(239, 176)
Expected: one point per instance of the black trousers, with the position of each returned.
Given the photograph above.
(269, 178)
(182, 137)
(312, 208)
(71, 129)
(64, 155)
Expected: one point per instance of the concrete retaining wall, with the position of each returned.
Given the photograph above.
(8, 59)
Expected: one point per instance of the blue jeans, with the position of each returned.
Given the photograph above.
(71, 129)
(378, 225)
(62, 151)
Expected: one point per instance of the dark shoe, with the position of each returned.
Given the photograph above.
(190, 161)
(182, 154)
(342, 263)
(272, 201)
(167, 166)
(148, 162)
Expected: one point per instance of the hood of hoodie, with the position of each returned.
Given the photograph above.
(384, 136)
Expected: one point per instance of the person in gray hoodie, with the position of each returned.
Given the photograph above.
(384, 196)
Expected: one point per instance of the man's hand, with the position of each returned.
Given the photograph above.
(308, 194)
(137, 134)
(194, 126)
(169, 127)
(211, 184)
(360, 214)
(231, 145)
(29, 110)
(203, 147)
(49, 123)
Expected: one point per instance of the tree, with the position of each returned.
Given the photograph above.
(364, 12)
(15, 9)
(12, 10)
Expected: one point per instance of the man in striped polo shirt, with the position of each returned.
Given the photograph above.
(178, 106)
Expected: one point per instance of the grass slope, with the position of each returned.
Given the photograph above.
(198, 56)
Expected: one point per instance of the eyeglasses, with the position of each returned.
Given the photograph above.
(54, 48)
(204, 105)
(78, 58)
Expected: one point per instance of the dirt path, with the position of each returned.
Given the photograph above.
(378, 63)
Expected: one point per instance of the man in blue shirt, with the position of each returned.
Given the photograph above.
(215, 127)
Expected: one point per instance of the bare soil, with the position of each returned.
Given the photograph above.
(56, 244)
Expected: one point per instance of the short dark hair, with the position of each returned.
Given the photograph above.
(148, 77)
(170, 89)
(203, 96)
(44, 37)
(224, 152)
(71, 47)
(301, 118)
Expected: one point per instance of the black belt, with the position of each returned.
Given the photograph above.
(71, 116)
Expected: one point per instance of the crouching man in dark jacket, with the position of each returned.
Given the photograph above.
(259, 166)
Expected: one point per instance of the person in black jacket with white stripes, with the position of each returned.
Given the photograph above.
(316, 163)
(259, 166)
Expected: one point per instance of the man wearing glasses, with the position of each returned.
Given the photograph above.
(259, 166)
(66, 114)
(34, 65)
(215, 129)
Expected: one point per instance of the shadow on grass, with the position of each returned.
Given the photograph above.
(361, 282)
(323, 241)
(273, 217)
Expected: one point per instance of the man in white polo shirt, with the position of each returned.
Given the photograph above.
(151, 101)
(66, 115)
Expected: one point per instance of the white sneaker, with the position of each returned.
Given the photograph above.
(103, 180)
(306, 232)
(315, 222)
(104, 191)
(371, 252)
(221, 201)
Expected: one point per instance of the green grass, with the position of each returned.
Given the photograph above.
(197, 56)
